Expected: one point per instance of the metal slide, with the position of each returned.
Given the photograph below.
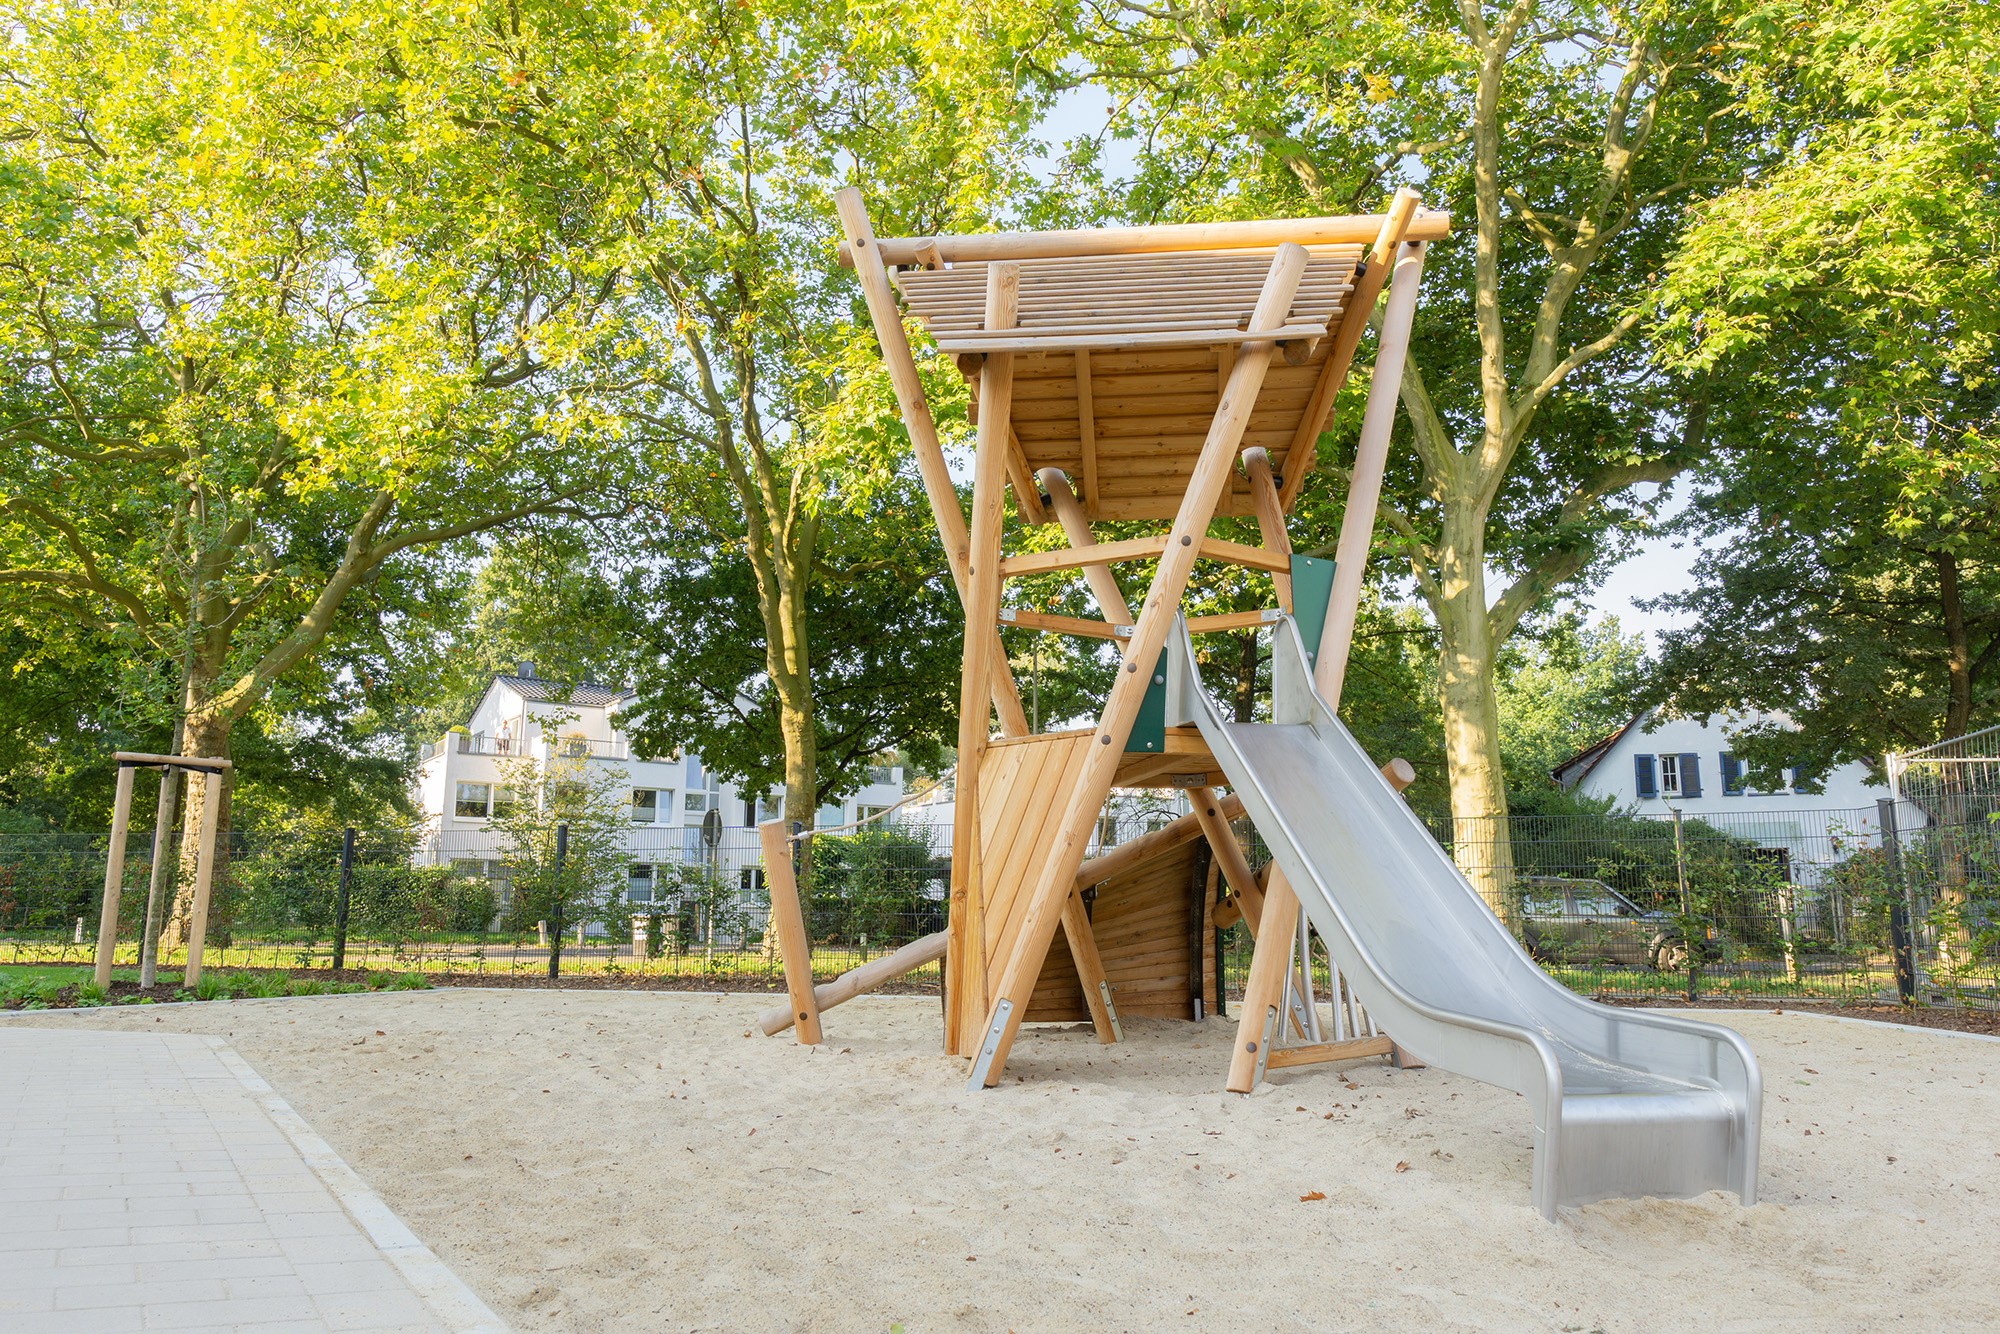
(1624, 1103)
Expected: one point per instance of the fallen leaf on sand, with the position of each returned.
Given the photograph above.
(1402, 1167)
(1312, 1195)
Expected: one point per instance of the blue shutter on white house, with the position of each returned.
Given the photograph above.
(1690, 774)
(1642, 770)
(1732, 775)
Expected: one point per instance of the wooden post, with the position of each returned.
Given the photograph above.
(789, 918)
(1270, 960)
(204, 876)
(859, 981)
(1110, 599)
(1270, 517)
(982, 609)
(341, 897)
(1204, 492)
(909, 387)
(1236, 870)
(114, 877)
(1354, 319)
(1357, 521)
(1090, 969)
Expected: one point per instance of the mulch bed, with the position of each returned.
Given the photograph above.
(1963, 1021)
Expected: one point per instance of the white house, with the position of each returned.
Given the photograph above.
(461, 783)
(1660, 765)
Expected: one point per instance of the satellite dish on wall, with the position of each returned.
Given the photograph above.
(711, 828)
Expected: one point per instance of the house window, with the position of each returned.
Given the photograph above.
(763, 810)
(1670, 775)
(640, 887)
(870, 812)
(504, 802)
(474, 799)
(1107, 831)
(645, 806)
(829, 815)
(1732, 775)
(702, 787)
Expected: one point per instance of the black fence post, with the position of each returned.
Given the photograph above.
(555, 912)
(1902, 950)
(340, 899)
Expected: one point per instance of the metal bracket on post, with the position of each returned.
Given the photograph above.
(1104, 990)
(1264, 1044)
(992, 1044)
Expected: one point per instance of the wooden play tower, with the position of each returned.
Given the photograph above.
(1169, 375)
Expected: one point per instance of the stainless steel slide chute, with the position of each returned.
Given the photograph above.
(1624, 1103)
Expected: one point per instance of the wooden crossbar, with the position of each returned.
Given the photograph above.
(1141, 548)
(1428, 225)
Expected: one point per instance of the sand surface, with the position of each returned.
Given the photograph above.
(605, 1161)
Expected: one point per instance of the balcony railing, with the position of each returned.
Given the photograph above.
(561, 747)
(583, 747)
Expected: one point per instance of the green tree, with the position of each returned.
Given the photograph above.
(1565, 138)
(710, 140)
(1848, 576)
(589, 886)
(1563, 685)
(272, 337)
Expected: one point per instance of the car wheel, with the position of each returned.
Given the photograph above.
(1671, 956)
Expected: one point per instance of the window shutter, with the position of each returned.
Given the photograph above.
(1690, 774)
(1642, 769)
(1732, 775)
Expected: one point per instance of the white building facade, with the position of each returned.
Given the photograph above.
(1657, 766)
(462, 784)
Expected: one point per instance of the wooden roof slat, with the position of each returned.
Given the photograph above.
(1016, 341)
(1427, 225)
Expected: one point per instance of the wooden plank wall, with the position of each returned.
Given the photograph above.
(1141, 920)
(1024, 786)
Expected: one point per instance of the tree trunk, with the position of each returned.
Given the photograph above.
(1247, 658)
(1480, 828)
(207, 735)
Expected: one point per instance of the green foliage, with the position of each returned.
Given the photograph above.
(888, 883)
(594, 805)
(1853, 296)
(1561, 686)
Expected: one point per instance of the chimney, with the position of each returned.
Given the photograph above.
(527, 670)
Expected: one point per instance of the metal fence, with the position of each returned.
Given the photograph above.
(1775, 903)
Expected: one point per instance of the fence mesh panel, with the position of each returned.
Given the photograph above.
(1766, 903)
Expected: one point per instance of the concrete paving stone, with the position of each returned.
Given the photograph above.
(287, 1285)
(110, 1320)
(314, 1325)
(341, 1278)
(144, 1294)
(219, 1268)
(147, 1187)
(373, 1310)
(221, 1314)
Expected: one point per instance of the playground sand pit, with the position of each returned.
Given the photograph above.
(609, 1161)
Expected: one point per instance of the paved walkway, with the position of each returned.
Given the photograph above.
(154, 1181)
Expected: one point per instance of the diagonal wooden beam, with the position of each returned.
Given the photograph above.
(1264, 988)
(1236, 870)
(887, 317)
(1299, 458)
(1210, 478)
(1026, 498)
(1371, 456)
(982, 585)
(1090, 969)
(1270, 518)
(1076, 527)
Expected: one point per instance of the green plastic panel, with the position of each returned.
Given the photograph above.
(1149, 729)
(1312, 585)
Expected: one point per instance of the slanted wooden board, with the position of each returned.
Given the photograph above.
(1140, 919)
